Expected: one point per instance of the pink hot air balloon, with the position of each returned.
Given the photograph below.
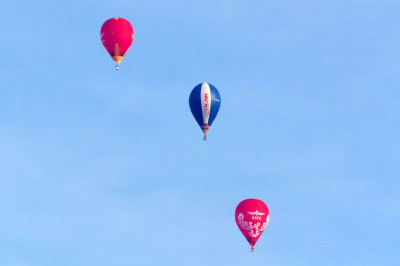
(252, 217)
(117, 36)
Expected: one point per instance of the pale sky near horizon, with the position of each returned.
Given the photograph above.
(103, 167)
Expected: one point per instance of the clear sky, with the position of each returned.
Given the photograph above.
(103, 167)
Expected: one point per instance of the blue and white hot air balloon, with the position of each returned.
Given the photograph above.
(204, 101)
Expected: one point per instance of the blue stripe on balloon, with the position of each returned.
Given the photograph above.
(215, 104)
(195, 104)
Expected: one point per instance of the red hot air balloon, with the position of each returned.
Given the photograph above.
(117, 36)
(252, 217)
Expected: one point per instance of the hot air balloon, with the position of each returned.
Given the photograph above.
(252, 217)
(117, 36)
(204, 101)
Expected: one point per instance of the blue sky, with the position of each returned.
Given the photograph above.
(104, 167)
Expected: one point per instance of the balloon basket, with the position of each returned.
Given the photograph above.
(252, 249)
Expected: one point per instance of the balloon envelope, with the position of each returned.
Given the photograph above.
(204, 101)
(117, 36)
(252, 217)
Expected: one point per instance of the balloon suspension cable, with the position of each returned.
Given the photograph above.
(252, 249)
(205, 137)
(117, 67)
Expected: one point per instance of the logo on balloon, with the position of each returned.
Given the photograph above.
(253, 229)
(206, 107)
(256, 213)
